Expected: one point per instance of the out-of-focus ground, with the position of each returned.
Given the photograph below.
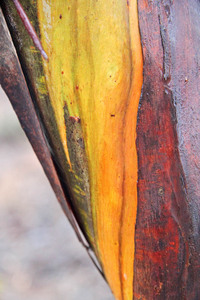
(40, 257)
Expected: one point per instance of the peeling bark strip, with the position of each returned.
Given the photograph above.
(168, 144)
(29, 28)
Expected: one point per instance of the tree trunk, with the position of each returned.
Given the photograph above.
(118, 100)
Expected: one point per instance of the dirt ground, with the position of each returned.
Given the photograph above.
(40, 257)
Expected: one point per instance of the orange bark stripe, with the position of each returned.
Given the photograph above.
(117, 185)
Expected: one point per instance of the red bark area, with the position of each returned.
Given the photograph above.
(168, 143)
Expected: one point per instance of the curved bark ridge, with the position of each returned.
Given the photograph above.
(94, 78)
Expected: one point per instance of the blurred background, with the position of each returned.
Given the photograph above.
(40, 257)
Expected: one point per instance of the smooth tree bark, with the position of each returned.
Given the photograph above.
(168, 143)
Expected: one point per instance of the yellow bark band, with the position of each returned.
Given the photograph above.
(95, 69)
